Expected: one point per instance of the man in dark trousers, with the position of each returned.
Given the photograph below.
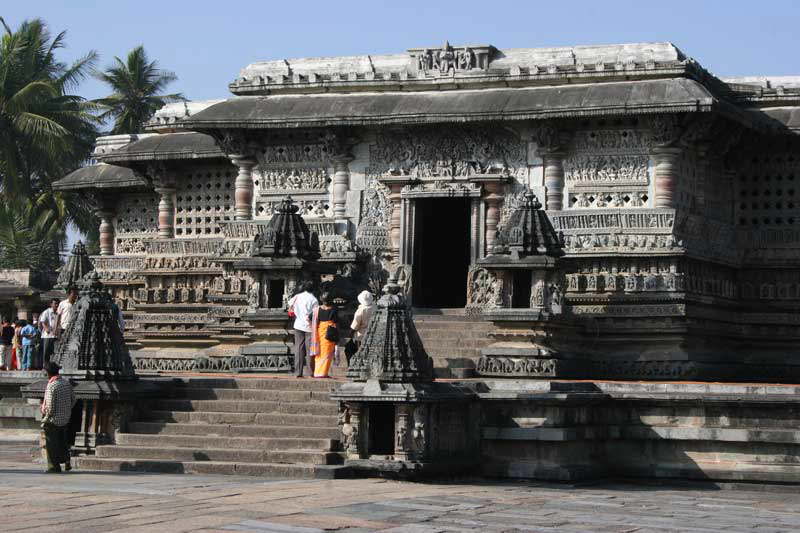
(59, 398)
(6, 339)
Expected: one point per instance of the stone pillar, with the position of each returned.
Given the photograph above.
(341, 184)
(106, 231)
(493, 200)
(243, 194)
(166, 212)
(395, 220)
(553, 163)
(666, 178)
(353, 437)
(402, 436)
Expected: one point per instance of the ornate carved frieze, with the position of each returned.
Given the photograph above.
(179, 264)
(448, 60)
(271, 155)
(181, 247)
(293, 180)
(651, 219)
(608, 168)
(450, 153)
(441, 188)
(637, 310)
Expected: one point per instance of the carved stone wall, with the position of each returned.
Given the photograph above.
(300, 169)
(768, 190)
(608, 168)
(136, 219)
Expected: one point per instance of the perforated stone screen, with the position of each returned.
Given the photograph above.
(203, 198)
(768, 191)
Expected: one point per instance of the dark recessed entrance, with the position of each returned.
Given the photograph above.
(441, 252)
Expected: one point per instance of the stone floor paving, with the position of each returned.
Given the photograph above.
(131, 502)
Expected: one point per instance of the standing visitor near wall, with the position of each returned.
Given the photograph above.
(65, 311)
(302, 304)
(6, 339)
(59, 398)
(325, 336)
(16, 346)
(27, 335)
(48, 322)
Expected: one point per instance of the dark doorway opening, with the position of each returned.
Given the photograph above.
(521, 295)
(275, 295)
(441, 252)
(381, 429)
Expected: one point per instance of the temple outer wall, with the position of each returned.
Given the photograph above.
(570, 432)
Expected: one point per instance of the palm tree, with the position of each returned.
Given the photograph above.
(45, 132)
(137, 83)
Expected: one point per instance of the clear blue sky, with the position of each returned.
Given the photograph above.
(206, 42)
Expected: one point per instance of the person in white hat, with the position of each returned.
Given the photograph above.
(366, 308)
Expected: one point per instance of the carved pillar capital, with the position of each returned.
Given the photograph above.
(243, 186)
(665, 130)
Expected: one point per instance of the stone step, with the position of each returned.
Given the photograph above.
(232, 441)
(271, 383)
(452, 325)
(219, 454)
(225, 417)
(244, 406)
(193, 393)
(271, 470)
(302, 432)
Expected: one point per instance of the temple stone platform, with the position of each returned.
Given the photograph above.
(558, 430)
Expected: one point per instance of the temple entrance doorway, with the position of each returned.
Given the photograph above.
(441, 252)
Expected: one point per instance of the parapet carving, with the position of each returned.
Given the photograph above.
(448, 59)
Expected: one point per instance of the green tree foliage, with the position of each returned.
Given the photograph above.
(45, 132)
(138, 85)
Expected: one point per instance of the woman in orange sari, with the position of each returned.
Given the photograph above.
(325, 335)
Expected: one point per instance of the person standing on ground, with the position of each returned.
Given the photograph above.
(302, 304)
(65, 312)
(366, 308)
(48, 321)
(325, 331)
(16, 346)
(27, 333)
(59, 398)
(6, 339)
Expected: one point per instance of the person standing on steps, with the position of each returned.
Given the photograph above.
(59, 398)
(301, 305)
(366, 308)
(47, 321)
(325, 332)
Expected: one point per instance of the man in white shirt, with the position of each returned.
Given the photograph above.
(47, 322)
(302, 304)
(65, 312)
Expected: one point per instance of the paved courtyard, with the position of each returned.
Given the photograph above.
(102, 501)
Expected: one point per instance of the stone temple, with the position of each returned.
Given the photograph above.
(675, 196)
(584, 239)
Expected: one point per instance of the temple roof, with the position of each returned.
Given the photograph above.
(485, 65)
(788, 117)
(320, 110)
(167, 146)
(100, 176)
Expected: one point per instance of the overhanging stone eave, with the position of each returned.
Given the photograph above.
(160, 156)
(696, 106)
(92, 178)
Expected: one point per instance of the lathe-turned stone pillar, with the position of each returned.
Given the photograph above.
(666, 175)
(341, 184)
(243, 187)
(553, 163)
(551, 141)
(493, 199)
(395, 221)
(166, 211)
(106, 215)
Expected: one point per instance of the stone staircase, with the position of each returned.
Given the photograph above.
(453, 340)
(278, 427)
